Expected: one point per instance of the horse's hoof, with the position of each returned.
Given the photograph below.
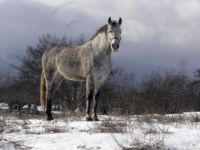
(95, 119)
(88, 119)
(49, 118)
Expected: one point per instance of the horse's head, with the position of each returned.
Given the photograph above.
(114, 33)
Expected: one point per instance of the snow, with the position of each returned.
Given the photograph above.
(74, 133)
(3, 106)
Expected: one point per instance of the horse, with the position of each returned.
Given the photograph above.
(89, 62)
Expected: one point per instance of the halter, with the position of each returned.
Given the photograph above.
(116, 38)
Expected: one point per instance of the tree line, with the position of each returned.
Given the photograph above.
(169, 92)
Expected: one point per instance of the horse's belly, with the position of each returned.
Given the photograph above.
(72, 73)
(70, 67)
(75, 78)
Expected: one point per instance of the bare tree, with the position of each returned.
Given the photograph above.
(166, 93)
(115, 96)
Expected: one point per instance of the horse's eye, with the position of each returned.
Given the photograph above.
(110, 31)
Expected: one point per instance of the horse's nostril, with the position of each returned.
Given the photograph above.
(115, 46)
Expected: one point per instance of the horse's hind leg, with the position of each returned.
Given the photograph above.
(49, 100)
(52, 86)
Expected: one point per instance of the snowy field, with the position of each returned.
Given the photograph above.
(178, 131)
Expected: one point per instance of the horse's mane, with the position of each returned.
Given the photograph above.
(100, 30)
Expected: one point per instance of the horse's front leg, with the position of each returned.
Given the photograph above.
(94, 110)
(89, 96)
(98, 85)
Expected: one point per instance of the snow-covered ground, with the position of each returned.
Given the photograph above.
(178, 131)
(3, 106)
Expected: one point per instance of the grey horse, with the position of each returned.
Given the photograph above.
(90, 62)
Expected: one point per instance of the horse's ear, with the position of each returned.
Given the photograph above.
(120, 20)
(109, 20)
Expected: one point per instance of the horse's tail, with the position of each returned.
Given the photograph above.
(42, 90)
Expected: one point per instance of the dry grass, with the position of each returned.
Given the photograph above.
(54, 128)
(143, 143)
(194, 118)
(177, 119)
(14, 145)
(111, 126)
(153, 143)
(2, 124)
(12, 123)
(151, 136)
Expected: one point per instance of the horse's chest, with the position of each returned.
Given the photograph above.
(102, 66)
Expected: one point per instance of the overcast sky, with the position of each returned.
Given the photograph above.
(156, 34)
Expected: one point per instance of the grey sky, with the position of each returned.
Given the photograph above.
(156, 34)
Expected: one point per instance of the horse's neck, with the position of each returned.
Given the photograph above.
(100, 45)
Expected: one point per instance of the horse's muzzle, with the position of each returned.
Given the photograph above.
(115, 46)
